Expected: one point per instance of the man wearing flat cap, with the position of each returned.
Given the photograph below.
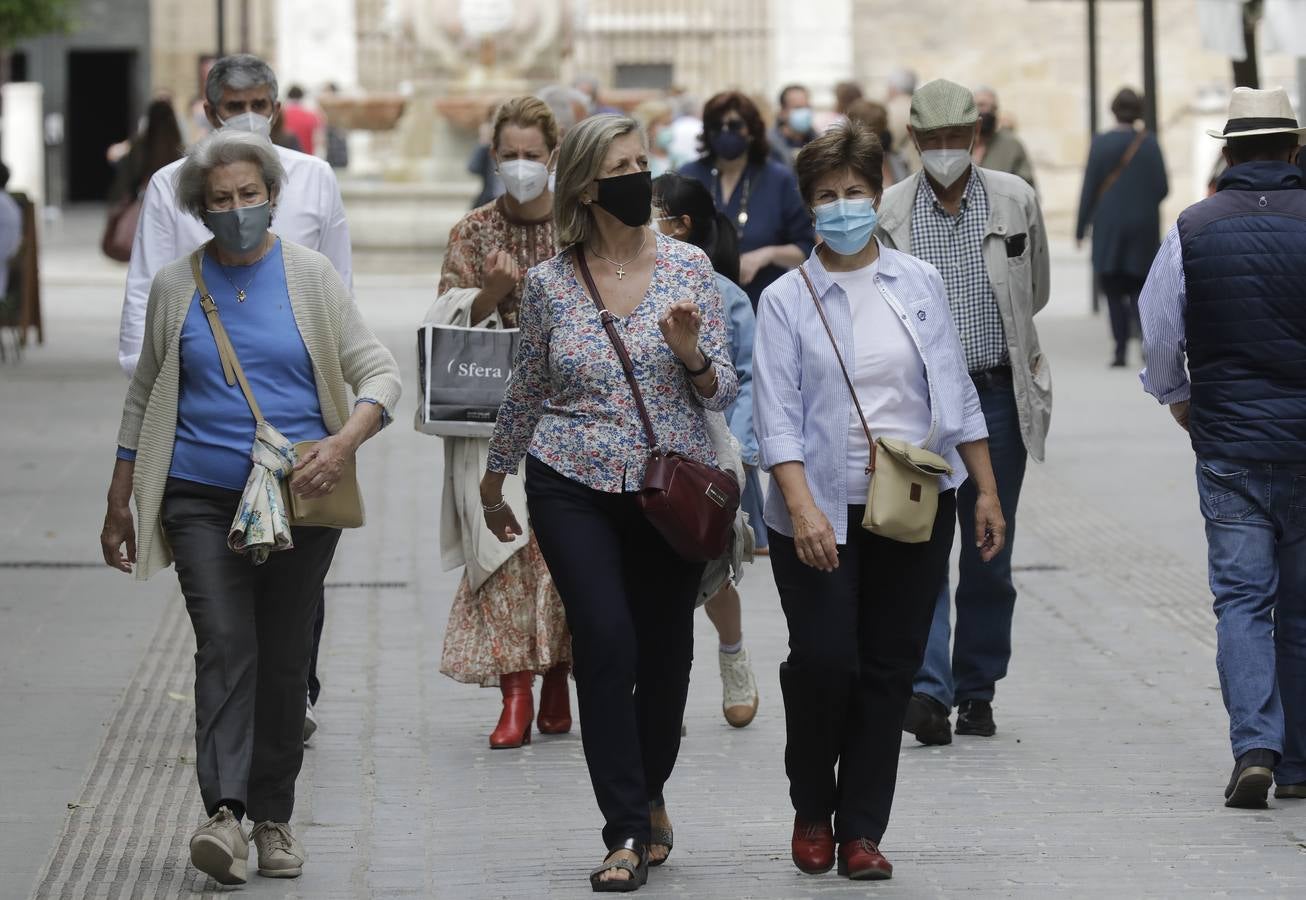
(983, 231)
(1224, 343)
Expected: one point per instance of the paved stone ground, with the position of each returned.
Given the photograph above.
(1104, 780)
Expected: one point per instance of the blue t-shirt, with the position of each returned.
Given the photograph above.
(215, 429)
(776, 213)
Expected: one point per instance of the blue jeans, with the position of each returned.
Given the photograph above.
(1256, 553)
(986, 598)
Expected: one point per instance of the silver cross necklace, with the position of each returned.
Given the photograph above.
(621, 266)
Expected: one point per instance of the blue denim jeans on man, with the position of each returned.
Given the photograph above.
(986, 597)
(1256, 554)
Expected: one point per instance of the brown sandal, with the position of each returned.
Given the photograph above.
(638, 871)
(660, 835)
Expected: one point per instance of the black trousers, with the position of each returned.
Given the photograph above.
(319, 620)
(629, 600)
(253, 638)
(1122, 306)
(856, 638)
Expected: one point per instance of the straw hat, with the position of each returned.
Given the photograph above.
(1253, 112)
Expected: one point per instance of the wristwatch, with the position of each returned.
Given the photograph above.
(707, 364)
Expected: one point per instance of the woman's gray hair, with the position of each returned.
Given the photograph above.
(240, 72)
(579, 162)
(223, 147)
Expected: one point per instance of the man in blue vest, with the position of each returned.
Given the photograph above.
(1227, 293)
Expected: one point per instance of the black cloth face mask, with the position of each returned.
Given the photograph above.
(628, 197)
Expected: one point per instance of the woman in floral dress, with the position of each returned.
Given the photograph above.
(507, 622)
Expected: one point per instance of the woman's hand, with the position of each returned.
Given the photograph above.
(119, 529)
(317, 473)
(680, 328)
(500, 275)
(990, 526)
(814, 538)
(752, 262)
(498, 514)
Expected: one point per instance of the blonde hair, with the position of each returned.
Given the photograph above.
(527, 112)
(579, 162)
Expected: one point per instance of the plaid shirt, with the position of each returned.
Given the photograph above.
(955, 246)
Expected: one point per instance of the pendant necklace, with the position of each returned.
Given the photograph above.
(741, 219)
(621, 266)
(241, 291)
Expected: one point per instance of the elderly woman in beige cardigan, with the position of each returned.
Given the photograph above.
(184, 454)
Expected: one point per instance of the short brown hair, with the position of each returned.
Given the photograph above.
(851, 146)
(869, 113)
(527, 112)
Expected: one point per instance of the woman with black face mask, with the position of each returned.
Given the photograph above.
(758, 194)
(570, 412)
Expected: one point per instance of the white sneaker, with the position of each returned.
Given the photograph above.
(310, 721)
(738, 688)
(220, 849)
(280, 854)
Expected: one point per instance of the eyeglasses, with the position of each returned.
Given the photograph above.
(735, 125)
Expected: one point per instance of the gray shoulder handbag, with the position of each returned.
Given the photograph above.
(903, 499)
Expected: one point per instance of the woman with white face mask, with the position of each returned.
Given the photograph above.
(507, 623)
(858, 604)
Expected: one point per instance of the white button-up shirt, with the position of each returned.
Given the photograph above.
(308, 211)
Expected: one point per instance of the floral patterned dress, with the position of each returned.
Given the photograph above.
(514, 622)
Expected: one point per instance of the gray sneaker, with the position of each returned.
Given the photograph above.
(280, 854)
(220, 849)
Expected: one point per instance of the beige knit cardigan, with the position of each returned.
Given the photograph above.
(343, 349)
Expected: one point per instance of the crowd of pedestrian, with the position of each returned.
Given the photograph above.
(843, 299)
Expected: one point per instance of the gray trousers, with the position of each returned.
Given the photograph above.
(253, 640)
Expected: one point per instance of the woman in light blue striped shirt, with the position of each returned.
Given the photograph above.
(858, 605)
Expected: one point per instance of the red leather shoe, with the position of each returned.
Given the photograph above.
(861, 860)
(812, 846)
(555, 701)
(514, 728)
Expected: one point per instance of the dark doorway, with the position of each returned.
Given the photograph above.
(98, 113)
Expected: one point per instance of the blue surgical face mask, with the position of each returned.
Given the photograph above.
(846, 225)
(729, 145)
(799, 119)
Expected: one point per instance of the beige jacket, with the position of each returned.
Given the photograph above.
(344, 351)
(1020, 283)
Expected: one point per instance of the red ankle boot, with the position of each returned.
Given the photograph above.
(514, 728)
(555, 701)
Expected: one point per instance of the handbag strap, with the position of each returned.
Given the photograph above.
(609, 325)
(870, 467)
(1119, 168)
(227, 353)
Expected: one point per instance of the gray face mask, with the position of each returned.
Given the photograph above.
(239, 230)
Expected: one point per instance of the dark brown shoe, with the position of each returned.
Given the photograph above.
(975, 717)
(1250, 782)
(927, 719)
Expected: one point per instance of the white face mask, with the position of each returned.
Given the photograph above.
(251, 122)
(524, 179)
(946, 166)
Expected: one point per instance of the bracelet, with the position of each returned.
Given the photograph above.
(496, 507)
(707, 364)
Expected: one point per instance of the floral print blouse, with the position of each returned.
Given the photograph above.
(486, 229)
(568, 401)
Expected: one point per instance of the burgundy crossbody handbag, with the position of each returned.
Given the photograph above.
(691, 504)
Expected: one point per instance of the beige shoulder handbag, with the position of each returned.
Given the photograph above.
(343, 507)
(903, 499)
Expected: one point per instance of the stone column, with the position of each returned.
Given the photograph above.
(811, 44)
(23, 147)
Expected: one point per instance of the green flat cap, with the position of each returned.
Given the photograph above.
(942, 104)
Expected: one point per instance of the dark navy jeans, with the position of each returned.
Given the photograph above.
(1256, 553)
(986, 598)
